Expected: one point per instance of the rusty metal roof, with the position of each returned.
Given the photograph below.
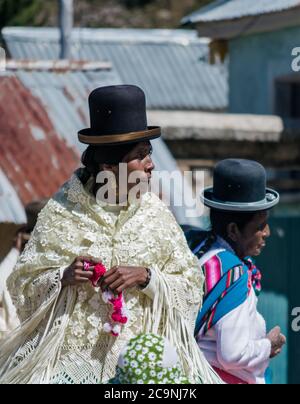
(45, 110)
(57, 66)
(34, 160)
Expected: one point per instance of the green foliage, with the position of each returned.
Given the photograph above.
(19, 12)
(100, 13)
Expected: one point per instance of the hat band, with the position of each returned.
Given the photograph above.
(271, 199)
(126, 137)
(268, 198)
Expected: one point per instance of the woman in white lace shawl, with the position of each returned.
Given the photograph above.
(62, 338)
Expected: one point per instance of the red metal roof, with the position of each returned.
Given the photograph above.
(33, 157)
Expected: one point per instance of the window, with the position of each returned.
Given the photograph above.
(287, 102)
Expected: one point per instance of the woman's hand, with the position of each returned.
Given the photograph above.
(121, 278)
(20, 241)
(278, 340)
(75, 274)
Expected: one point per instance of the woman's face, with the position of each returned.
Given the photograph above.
(252, 240)
(139, 160)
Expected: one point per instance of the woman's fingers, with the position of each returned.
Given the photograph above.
(115, 285)
(89, 259)
(112, 271)
(80, 266)
(83, 274)
(82, 280)
(121, 288)
(282, 339)
(111, 279)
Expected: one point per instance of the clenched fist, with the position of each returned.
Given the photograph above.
(278, 340)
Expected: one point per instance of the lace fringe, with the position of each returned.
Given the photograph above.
(38, 369)
(166, 320)
(161, 319)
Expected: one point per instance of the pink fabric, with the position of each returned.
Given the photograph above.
(213, 273)
(228, 378)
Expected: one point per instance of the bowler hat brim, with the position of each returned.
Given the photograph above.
(87, 136)
(272, 199)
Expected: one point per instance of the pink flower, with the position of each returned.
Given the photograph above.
(99, 271)
(116, 317)
(123, 320)
(117, 305)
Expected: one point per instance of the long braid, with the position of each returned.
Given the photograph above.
(90, 168)
(210, 241)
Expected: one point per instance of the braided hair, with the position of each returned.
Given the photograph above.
(94, 156)
(209, 242)
(220, 220)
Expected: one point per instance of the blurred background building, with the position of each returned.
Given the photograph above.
(257, 38)
(220, 86)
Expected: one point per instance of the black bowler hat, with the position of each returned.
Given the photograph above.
(241, 186)
(118, 116)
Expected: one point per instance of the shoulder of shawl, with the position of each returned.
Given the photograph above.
(155, 204)
(158, 212)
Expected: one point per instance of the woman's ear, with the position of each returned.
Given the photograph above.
(233, 232)
(106, 167)
(110, 167)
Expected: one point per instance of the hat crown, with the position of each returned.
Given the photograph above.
(118, 110)
(241, 181)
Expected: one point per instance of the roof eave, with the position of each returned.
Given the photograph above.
(229, 29)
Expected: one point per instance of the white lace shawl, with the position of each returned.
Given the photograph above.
(61, 339)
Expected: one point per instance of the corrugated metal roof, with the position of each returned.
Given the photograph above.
(222, 10)
(33, 158)
(11, 208)
(64, 96)
(106, 34)
(170, 65)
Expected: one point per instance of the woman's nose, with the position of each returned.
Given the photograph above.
(149, 165)
(267, 232)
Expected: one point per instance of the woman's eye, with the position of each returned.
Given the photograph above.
(143, 156)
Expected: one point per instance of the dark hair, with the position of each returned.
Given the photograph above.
(96, 155)
(220, 220)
